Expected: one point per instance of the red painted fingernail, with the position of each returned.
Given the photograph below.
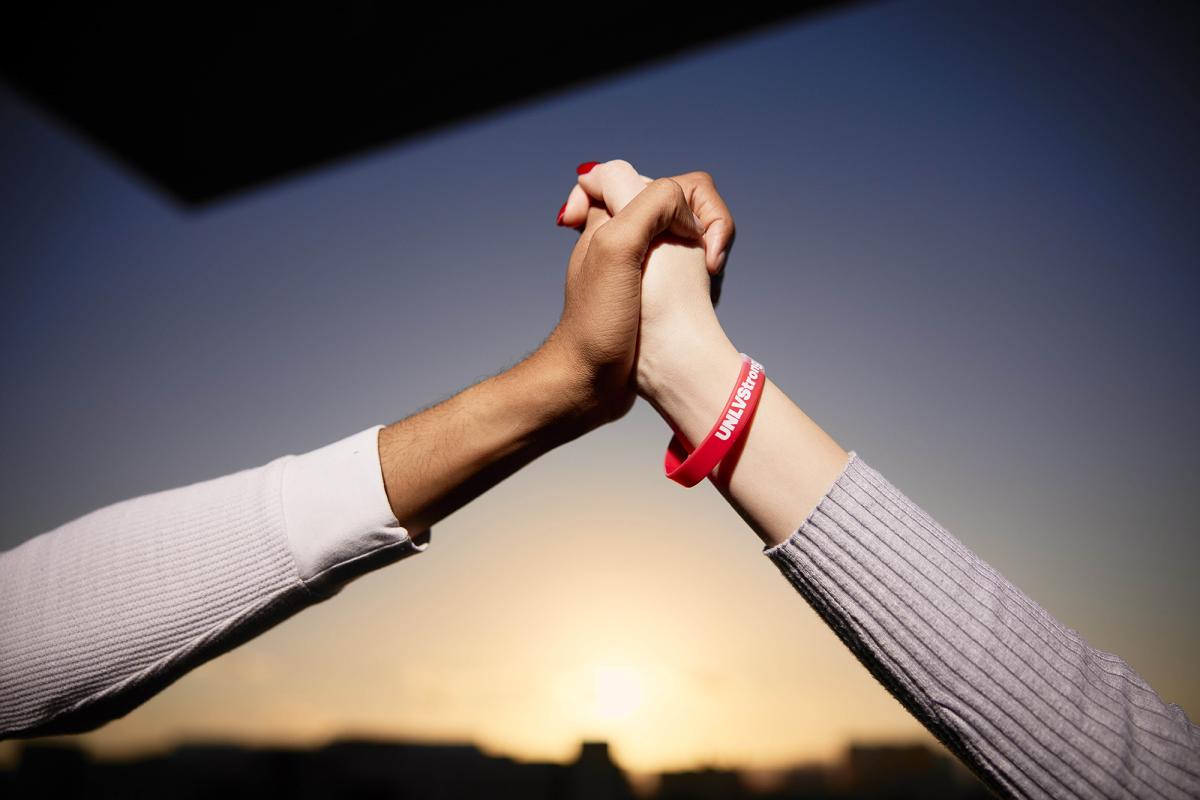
(585, 167)
(560, 213)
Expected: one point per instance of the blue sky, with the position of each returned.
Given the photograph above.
(967, 248)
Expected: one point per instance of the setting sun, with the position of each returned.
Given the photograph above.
(603, 697)
(618, 692)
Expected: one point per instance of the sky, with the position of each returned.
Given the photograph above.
(967, 248)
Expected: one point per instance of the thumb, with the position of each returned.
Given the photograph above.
(614, 183)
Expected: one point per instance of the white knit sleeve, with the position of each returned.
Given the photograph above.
(99, 614)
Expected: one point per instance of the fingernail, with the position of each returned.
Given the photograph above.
(560, 213)
(699, 223)
(721, 260)
(585, 167)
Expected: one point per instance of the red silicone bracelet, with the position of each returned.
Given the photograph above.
(734, 419)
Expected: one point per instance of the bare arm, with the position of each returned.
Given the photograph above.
(580, 378)
(101, 613)
(583, 375)
(440, 459)
(1022, 699)
(787, 462)
(1019, 697)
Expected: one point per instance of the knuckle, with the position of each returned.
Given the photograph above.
(667, 186)
(695, 177)
(620, 164)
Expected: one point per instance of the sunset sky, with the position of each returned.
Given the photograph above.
(967, 247)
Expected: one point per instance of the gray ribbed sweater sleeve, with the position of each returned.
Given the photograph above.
(1020, 698)
(102, 612)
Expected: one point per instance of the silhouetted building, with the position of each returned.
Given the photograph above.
(594, 776)
(705, 784)
(356, 770)
(808, 781)
(864, 773)
(375, 770)
(899, 771)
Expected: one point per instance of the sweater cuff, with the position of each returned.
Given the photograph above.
(339, 522)
(775, 551)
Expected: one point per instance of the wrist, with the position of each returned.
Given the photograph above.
(566, 386)
(689, 381)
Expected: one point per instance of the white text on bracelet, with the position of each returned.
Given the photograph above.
(737, 405)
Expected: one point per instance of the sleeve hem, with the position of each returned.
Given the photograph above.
(338, 518)
(771, 551)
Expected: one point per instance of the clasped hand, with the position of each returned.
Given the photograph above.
(640, 285)
(637, 318)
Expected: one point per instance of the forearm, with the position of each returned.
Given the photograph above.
(106, 610)
(1020, 698)
(440, 459)
(785, 461)
(102, 612)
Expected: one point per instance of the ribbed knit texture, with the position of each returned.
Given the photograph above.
(106, 610)
(1020, 698)
(101, 613)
